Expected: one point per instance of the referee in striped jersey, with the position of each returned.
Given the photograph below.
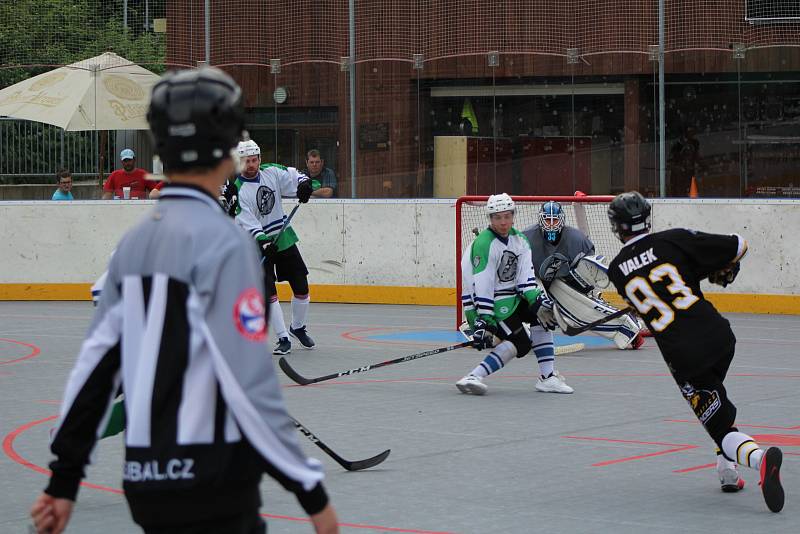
(181, 327)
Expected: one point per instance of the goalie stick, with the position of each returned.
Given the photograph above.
(357, 465)
(575, 330)
(303, 381)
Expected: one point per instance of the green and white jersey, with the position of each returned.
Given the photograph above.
(495, 272)
(260, 210)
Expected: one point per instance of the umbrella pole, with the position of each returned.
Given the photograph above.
(102, 156)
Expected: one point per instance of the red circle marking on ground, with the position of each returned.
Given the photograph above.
(8, 449)
(34, 351)
(359, 335)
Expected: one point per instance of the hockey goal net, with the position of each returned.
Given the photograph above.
(588, 213)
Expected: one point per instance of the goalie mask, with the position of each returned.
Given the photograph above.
(551, 221)
(629, 215)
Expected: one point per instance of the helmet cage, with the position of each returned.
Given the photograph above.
(551, 220)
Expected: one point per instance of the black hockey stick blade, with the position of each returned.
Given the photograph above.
(291, 373)
(357, 465)
(294, 375)
(575, 330)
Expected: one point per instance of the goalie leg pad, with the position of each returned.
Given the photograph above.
(574, 308)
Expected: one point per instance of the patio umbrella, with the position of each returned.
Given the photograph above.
(106, 92)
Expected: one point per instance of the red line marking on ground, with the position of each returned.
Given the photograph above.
(784, 440)
(769, 427)
(34, 351)
(678, 447)
(8, 449)
(356, 525)
(695, 468)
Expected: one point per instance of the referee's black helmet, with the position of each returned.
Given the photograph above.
(196, 118)
(629, 214)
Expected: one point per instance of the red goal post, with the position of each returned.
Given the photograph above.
(588, 213)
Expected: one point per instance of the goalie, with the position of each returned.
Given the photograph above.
(574, 277)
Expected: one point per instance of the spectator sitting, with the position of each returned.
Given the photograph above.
(321, 174)
(128, 176)
(64, 180)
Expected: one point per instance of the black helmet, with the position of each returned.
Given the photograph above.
(629, 214)
(195, 117)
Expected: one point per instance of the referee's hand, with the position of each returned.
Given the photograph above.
(50, 515)
(325, 521)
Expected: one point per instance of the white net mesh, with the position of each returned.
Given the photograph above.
(586, 213)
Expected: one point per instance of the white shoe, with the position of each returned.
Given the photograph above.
(730, 481)
(472, 385)
(553, 384)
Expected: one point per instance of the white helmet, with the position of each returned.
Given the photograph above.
(248, 148)
(499, 203)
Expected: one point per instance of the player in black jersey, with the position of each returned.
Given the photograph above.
(659, 275)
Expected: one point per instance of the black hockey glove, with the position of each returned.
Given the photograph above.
(229, 198)
(304, 189)
(726, 276)
(542, 309)
(269, 249)
(483, 335)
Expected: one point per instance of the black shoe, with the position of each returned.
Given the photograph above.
(302, 336)
(771, 479)
(283, 346)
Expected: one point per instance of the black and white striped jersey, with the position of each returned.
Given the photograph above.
(181, 327)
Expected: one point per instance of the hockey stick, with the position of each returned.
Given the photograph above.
(575, 330)
(569, 349)
(303, 381)
(358, 465)
(283, 227)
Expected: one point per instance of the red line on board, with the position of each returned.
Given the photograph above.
(34, 351)
(8, 448)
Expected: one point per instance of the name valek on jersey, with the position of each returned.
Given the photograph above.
(637, 262)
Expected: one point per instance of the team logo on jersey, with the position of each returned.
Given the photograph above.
(504, 309)
(248, 315)
(507, 268)
(265, 200)
(476, 261)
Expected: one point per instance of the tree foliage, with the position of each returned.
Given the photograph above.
(38, 35)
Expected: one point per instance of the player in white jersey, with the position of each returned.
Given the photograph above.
(574, 277)
(260, 190)
(499, 294)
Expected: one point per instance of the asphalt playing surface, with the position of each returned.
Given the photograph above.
(622, 454)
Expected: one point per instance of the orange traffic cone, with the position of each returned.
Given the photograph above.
(693, 189)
